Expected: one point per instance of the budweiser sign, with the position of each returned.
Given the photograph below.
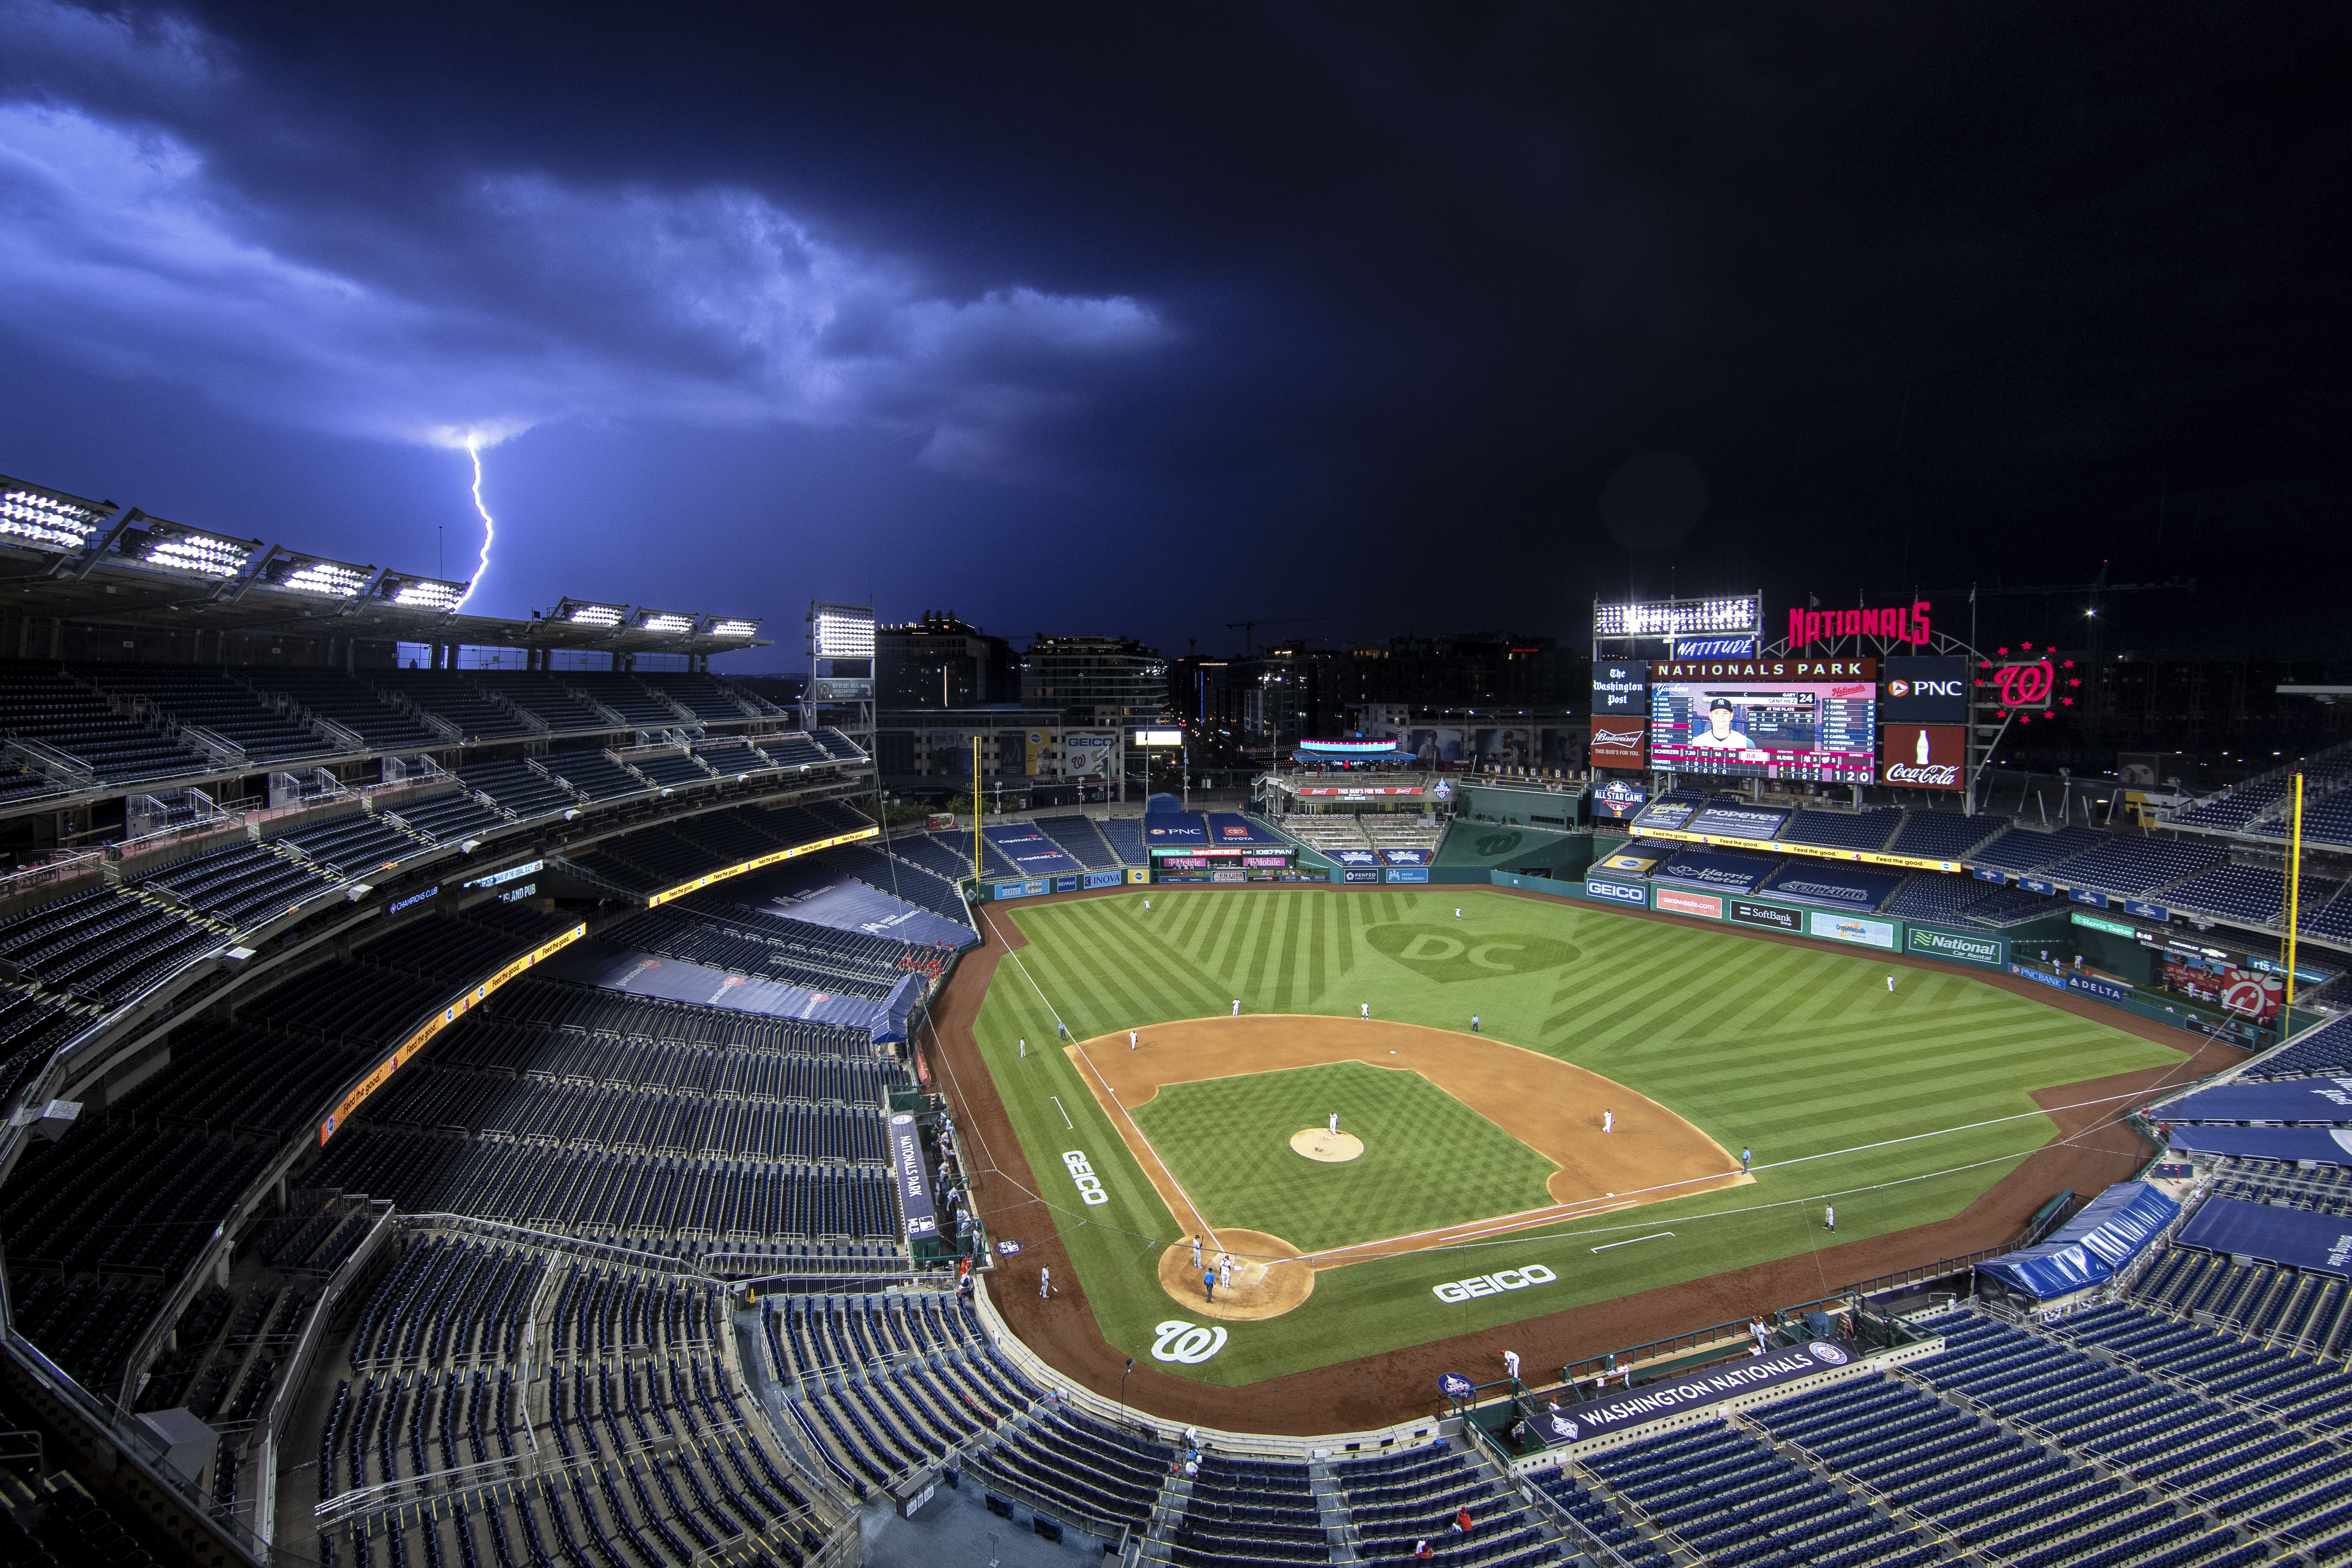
(1923, 756)
(1618, 743)
(1900, 625)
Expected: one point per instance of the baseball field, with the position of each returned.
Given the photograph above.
(1584, 1143)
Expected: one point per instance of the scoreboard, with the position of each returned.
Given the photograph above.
(1814, 719)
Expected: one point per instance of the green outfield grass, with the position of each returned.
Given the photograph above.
(1429, 1160)
(1798, 1053)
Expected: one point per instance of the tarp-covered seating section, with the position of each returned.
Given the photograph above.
(2114, 1228)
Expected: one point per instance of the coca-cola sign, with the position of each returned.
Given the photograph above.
(1923, 756)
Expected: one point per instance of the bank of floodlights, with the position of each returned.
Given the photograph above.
(841, 630)
(45, 519)
(429, 594)
(175, 548)
(1678, 617)
(310, 574)
(733, 627)
(665, 623)
(589, 613)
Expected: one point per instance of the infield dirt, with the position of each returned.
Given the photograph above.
(1552, 1106)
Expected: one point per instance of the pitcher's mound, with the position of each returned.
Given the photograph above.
(1269, 1278)
(1331, 1148)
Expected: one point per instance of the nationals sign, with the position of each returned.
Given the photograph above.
(1900, 625)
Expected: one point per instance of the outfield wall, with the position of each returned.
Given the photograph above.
(1977, 950)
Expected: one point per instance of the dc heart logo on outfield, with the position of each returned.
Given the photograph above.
(1188, 1342)
(1447, 953)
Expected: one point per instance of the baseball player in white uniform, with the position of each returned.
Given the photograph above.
(1335, 1124)
(1131, 1039)
(1608, 1121)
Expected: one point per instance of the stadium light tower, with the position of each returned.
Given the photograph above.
(841, 669)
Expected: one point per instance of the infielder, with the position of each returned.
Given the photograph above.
(1368, 1010)
(1131, 1039)
(1608, 1121)
(1237, 1006)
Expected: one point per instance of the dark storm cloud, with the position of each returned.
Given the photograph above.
(1369, 305)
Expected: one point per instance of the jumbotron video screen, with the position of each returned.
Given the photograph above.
(1765, 726)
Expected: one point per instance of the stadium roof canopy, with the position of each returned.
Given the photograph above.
(84, 560)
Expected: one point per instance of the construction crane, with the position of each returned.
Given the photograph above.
(1249, 628)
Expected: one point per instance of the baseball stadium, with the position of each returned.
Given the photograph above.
(503, 1091)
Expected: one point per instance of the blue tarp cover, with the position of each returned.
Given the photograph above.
(2287, 1235)
(2332, 1145)
(1726, 871)
(1834, 886)
(1233, 828)
(2281, 1100)
(2112, 1230)
(1173, 829)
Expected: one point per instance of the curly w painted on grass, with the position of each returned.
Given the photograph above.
(1189, 1344)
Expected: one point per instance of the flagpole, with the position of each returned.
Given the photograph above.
(2293, 904)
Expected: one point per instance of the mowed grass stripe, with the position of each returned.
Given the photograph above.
(1157, 981)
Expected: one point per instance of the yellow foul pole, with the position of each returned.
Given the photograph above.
(975, 816)
(2293, 900)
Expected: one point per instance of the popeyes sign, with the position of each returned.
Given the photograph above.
(1900, 624)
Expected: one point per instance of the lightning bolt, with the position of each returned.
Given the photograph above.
(490, 525)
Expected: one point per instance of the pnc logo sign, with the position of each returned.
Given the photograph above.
(1438, 953)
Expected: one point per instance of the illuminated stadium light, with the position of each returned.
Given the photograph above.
(52, 522)
(1678, 617)
(841, 630)
(665, 622)
(589, 613)
(191, 550)
(298, 574)
(426, 593)
(734, 628)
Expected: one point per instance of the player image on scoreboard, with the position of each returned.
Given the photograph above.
(1824, 730)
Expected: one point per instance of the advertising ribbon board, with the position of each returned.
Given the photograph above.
(1618, 893)
(1839, 927)
(907, 1166)
(1682, 901)
(1959, 947)
(700, 883)
(383, 1071)
(1649, 829)
(1771, 916)
(1633, 1407)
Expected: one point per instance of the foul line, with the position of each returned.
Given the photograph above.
(1661, 1236)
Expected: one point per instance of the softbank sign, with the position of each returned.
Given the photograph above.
(1493, 1284)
